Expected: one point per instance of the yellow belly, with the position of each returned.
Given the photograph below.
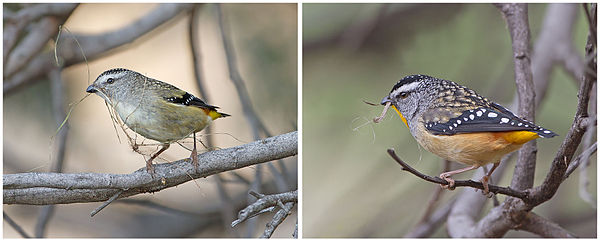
(165, 125)
(476, 148)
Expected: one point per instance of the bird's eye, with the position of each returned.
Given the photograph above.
(110, 80)
(404, 95)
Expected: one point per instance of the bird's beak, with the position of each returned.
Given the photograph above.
(91, 89)
(385, 100)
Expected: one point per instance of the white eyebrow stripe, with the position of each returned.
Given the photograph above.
(405, 88)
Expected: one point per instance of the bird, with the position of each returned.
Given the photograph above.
(459, 125)
(154, 109)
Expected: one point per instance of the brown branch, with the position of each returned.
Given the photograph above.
(518, 25)
(573, 138)
(504, 217)
(459, 183)
(538, 225)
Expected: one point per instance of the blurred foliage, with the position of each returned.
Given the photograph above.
(347, 175)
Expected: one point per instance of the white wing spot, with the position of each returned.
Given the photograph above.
(479, 113)
(547, 131)
(492, 115)
(504, 120)
(472, 116)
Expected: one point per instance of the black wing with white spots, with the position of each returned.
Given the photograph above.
(190, 100)
(493, 119)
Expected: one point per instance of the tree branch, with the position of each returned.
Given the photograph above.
(502, 218)
(94, 46)
(15, 226)
(518, 25)
(54, 188)
(277, 219)
(538, 225)
(459, 183)
(264, 202)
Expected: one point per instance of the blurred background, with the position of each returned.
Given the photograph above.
(264, 37)
(357, 52)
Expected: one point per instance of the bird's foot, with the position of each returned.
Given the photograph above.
(450, 181)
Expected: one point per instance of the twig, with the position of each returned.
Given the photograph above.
(109, 201)
(55, 188)
(524, 195)
(277, 219)
(15, 226)
(543, 227)
(585, 155)
(264, 202)
(591, 18)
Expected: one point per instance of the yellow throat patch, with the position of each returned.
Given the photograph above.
(400, 114)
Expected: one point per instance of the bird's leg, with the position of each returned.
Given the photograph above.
(149, 166)
(486, 178)
(446, 176)
(194, 156)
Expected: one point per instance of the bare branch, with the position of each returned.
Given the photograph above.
(518, 25)
(470, 183)
(585, 155)
(277, 219)
(543, 227)
(53, 188)
(265, 201)
(15, 23)
(31, 44)
(94, 46)
(235, 76)
(15, 226)
(502, 218)
(573, 138)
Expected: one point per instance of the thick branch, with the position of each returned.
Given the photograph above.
(518, 25)
(502, 218)
(470, 183)
(543, 227)
(54, 188)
